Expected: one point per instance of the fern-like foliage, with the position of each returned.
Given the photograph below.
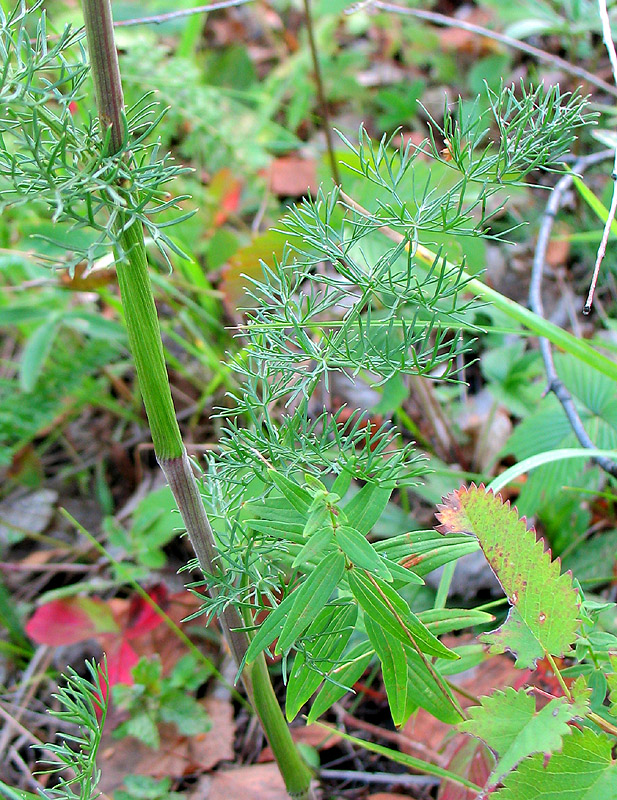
(50, 153)
(84, 707)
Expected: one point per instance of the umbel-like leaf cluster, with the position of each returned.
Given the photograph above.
(297, 488)
(52, 150)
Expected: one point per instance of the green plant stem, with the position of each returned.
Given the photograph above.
(175, 629)
(146, 345)
(105, 70)
(321, 94)
(409, 761)
(294, 770)
(147, 350)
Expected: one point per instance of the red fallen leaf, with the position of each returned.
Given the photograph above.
(71, 620)
(76, 619)
(473, 760)
(246, 264)
(225, 191)
(121, 658)
(142, 617)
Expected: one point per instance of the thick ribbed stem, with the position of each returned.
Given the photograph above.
(145, 342)
(295, 772)
(105, 70)
(147, 350)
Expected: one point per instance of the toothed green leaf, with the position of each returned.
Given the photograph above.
(510, 725)
(545, 610)
(583, 770)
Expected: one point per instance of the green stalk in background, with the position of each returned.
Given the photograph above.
(147, 351)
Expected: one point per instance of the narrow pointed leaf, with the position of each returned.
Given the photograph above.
(545, 608)
(425, 692)
(391, 653)
(385, 607)
(445, 620)
(424, 551)
(269, 629)
(299, 498)
(360, 551)
(365, 508)
(331, 631)
(315, 546)
(35, 353)
(342, 679)
(310, 598)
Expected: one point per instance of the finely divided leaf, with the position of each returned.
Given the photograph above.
(544, 614)
(509, 724)
(583, 770)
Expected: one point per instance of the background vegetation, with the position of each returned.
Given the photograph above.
(89, 544)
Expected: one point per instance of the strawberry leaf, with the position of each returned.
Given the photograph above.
(544, 617)
(510, 725)
(583, 770)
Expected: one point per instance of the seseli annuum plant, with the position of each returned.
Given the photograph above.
(282, 533)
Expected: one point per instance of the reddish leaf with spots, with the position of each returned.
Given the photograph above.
(544, 610)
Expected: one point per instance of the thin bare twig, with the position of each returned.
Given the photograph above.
(610, 48)
(321, 93)
(181, 12)
(451, 22)
(554, 382)
(388, 778)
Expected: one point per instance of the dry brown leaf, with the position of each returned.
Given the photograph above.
(313, 735)
(257, 782)
(292, 176)
(178, 755)
(558, 250)
(461, 41)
